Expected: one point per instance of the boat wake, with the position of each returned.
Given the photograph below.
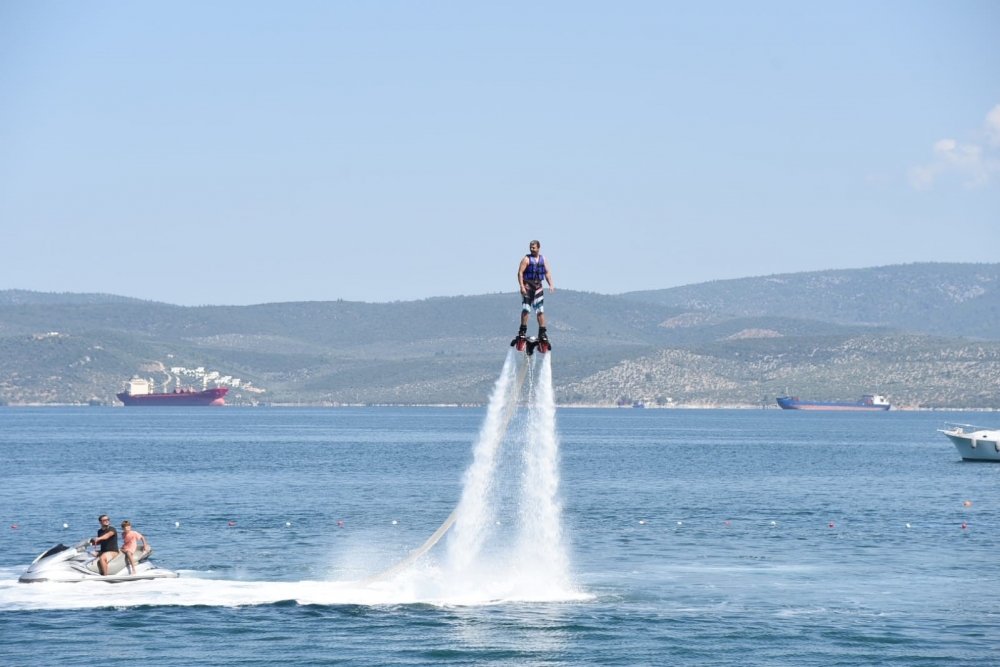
(417, 586)
(505, 544)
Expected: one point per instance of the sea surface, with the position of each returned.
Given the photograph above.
(693, 537)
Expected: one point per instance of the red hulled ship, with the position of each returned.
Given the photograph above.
(138, 394)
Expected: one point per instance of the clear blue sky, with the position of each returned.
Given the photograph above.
(247, 152)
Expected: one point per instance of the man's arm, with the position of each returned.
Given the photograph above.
(548, 277)
(520, 275)
(103, 537)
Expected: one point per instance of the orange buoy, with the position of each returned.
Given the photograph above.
(968, 504)
(727, 523)
(963, 526)
(14, 527)
(232, 523)
(340, 523)
(831, 524)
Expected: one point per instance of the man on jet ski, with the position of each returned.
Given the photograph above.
(530, 274)
(107, 536)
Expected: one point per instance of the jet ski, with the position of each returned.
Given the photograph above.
(75, 563)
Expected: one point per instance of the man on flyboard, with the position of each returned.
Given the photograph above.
(530, 274)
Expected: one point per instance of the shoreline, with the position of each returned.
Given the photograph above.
(568, 406)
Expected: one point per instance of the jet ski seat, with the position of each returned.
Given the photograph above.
(119, 563)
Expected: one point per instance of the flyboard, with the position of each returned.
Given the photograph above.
(527, 345)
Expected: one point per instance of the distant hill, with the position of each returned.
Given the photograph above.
(16, 297)
(943, 299)
(434, 350)
(702, 346)
(914, 371)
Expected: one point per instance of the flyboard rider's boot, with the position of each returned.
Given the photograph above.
(543, 341)
(522, 338)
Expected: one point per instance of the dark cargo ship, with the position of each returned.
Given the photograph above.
(867, 402)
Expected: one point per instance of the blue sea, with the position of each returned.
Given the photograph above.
(693, 537)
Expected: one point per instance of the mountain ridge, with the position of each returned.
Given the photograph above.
(930, 297)
(448, 349)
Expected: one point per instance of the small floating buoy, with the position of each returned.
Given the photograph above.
(727, 523)
(642, 523)
(340, 523)
(65, 525)
(963, 526)
(831, 524)
(907, 525)
(968, 503)
(232, 523)
(774, 523)
(14, 527)
(177, 524)
(680, 523)
(394, 522)
(498, 523)
(288, 523)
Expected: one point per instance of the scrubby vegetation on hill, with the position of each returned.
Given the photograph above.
(944, 299)
(830, 335)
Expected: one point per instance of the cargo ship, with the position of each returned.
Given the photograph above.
(867, 402)
(138, 393)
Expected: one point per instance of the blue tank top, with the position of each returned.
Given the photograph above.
(535, 270)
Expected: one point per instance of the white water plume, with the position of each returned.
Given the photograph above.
(475, 514)
(544, 564)
(514, 476)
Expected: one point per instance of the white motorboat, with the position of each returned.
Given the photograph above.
(75, 563)
(978, 444)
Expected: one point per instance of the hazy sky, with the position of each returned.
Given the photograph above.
(246, 152)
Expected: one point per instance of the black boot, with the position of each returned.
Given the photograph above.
(520, 339)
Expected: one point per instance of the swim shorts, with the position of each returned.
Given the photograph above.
(534, 299)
